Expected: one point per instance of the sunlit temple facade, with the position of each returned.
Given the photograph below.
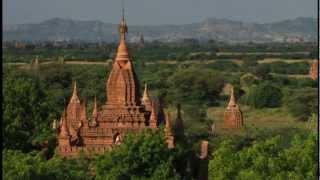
(124, 111)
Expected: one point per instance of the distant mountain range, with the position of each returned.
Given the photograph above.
(58, 29)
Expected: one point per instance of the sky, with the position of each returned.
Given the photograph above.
(156, 12)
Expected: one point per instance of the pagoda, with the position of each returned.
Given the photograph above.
(124, 111)
(233, 116)
(314, 70)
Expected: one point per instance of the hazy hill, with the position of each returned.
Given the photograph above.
(212, 28)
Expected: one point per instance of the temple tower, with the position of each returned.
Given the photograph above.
(233, 115)
(123, 106)
(122, 113)
(73, 108)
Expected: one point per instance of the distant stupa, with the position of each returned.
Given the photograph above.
(141, 41)
(233, 116)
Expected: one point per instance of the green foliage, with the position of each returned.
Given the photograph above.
(33, 99)
(26, 112)
(18, 165)
(248, 79)
(140, 156)
(262, 71)
(143, 155)
(194, 86)
(196, 122)
(267, 159)
(288, 68)
(302, 104)
(264, 95)
(224, 65)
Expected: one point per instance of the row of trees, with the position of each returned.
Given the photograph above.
(146, 156)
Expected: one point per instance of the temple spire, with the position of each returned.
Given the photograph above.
(95, 108)
(232, 101)
(123, 29)
(74, 97)
(153, 117)
(145, 92)
(64, 132)
(146, 100)
(94, 113)
(122, 55)
(83, 111)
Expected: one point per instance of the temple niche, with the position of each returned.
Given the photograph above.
(314, 70)
(124, 111)
(233, 116)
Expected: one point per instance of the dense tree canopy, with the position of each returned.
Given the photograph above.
(26, 114)
(33, 98)
(266, 160)
(264, 95)
(194, 86)
(303, 103)
(144, 155)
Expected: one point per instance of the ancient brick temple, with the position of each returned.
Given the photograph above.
(314, 70)
(124, 111)
(233, 116)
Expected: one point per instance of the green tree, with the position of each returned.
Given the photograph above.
(26, 112)
(262, 71)
(195, 86)
(34, 165)
(267, 159)
(143, 155)
(303, 103)
(264, 95)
